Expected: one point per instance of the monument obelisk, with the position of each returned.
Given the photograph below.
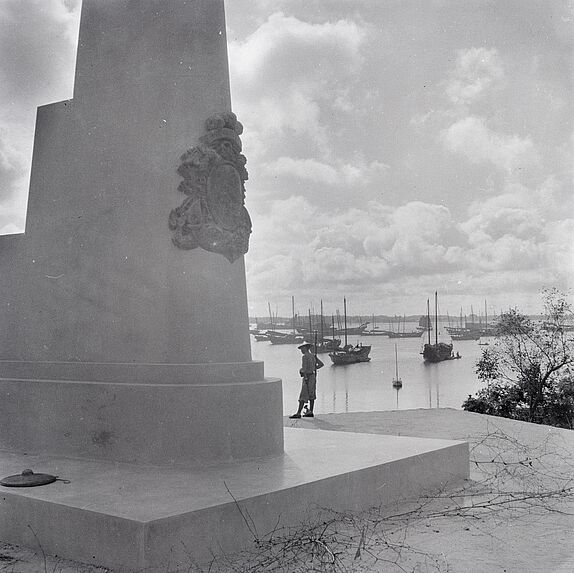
(124, 307)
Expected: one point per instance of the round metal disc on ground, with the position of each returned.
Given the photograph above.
(28, 479)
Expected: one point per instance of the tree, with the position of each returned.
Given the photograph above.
(529, 371)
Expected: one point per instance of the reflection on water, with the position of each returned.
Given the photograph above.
(368, 386)
(431, 377)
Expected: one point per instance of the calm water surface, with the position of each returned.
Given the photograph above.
(368, 386)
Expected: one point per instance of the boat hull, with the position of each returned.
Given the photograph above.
(438, 352)
(413, 334)
(350, 355)
(285, 339)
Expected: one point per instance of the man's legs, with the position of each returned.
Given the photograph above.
(299, 410)
(311, 390)
(309, 413)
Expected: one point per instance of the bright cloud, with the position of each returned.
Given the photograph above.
(354, 246)
(473, 139)
(38, 46)
(522, 229)
(37, 42)
(477, 69)
(320, 172)
(287, 72)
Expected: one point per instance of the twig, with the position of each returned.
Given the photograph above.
(250, 524)
(41, 549)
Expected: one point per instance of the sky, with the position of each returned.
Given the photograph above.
(395, 147)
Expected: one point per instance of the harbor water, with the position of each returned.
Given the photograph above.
(368, 386)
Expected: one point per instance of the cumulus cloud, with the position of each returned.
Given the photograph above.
(312, 170)
(356, 247)
(14, 169)
(560, 248)
(476, 70)
(473, 139)
(522, 228)
(38, 45)
(509, 243)
(288, 72)
(37, 42)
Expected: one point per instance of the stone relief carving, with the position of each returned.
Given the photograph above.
(213, 216)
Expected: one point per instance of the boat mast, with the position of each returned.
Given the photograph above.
(322, 333)
(436, 316)
(396, 364)
(428, 319)
(345, 315)
(293, 312)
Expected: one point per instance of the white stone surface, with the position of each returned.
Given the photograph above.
(131, 517)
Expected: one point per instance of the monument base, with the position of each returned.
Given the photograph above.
(160, 414)
(149, 518)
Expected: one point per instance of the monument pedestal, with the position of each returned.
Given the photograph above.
(173, 414)
(150, 518)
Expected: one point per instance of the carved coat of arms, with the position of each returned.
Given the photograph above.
(213, 215)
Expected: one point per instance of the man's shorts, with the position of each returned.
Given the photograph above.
(308, 388)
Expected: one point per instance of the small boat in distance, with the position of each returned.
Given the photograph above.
(324, 345)
(376, 332)
(439, 351)
(349, 354)
(424, 323)
(354, 330)
(321, 343)
(465, 334)
(408, 334)
(398, 333)
(397, 382)
(286, 337)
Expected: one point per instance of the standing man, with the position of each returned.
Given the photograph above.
(309, 366)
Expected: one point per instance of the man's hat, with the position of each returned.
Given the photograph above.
(305, 345)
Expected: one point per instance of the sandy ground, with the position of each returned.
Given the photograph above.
(535, 463)
(515, 515)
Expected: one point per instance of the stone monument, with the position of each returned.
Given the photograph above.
(125, 361)
(127, 307)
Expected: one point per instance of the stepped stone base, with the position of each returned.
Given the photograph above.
(160, 414)
(144, 518)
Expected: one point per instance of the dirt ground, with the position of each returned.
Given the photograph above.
(532, 533)
(515, 515)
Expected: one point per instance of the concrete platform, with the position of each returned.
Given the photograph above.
(137, 518)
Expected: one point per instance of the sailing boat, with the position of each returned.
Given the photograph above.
(264, 336)
(285, 337)
(397, 382)
(439, 351)
(403, 333)
(321, 344)
(349, 354)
